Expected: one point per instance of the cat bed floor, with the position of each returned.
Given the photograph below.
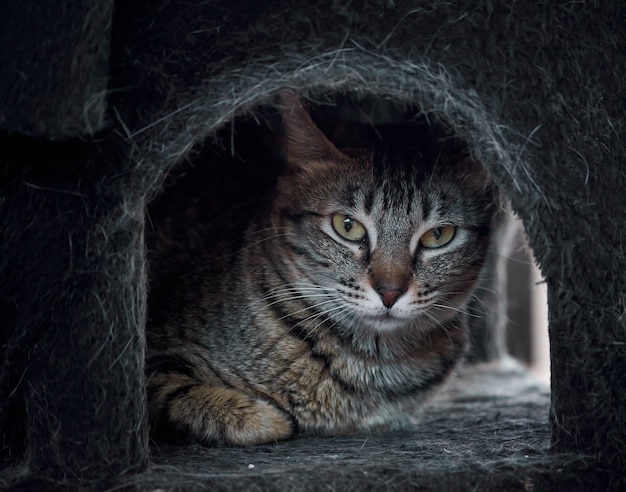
(488, 431)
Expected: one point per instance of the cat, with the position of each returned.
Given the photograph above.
(340, 310)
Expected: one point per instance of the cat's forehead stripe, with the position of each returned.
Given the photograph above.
(401, 200)
(426, 206)
(368, 202)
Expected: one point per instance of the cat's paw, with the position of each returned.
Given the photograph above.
(218, 415)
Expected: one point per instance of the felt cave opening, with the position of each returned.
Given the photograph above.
(220, 180)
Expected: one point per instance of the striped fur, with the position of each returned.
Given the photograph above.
(302, 331)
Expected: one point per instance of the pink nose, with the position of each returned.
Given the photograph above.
(389, 296)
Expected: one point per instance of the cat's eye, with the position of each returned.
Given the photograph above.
(349, 228)
(438, 236)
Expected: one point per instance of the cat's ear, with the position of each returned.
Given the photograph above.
(473, 174)
(304, 141)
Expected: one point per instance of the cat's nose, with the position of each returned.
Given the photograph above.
(389, 295)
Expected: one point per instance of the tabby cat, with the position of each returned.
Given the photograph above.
(343, 308)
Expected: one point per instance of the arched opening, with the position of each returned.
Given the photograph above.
(212, 194)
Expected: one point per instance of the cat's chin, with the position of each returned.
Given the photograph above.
(385, 322)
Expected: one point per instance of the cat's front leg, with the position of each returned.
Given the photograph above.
(181, 406)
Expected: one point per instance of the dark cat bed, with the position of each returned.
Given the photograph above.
(536, 93)
(489, 431)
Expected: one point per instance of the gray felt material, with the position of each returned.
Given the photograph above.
(491, 430)
(54, 66)
(535, 90)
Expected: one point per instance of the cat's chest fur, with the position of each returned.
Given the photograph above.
(329, 388)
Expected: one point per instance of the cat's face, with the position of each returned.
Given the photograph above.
(389, 249)
(382, 244)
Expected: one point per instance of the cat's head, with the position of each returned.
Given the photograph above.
(385, 241)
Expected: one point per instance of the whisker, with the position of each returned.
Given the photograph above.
(314, 306)
(307, 308)
(294, 288)
(292, 296)
(315, 316)
(298, 285)
(338, 320)
(347, 312)
(255, 243)
(452, 308)
(287, 293)
(291, 290)
(266, 229)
